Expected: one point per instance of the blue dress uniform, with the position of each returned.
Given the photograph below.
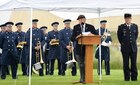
(45, 50)
(54, 50)
(127, 36)
(105, 52)
(8, 42)
(7, 69)
(65, 36)
(21, 51)
(0, 58)
(37, 35)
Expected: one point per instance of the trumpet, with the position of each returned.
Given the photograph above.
(21, 44)
(40, 61)
(54, 42)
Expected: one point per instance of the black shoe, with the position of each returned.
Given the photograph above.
(127, 80)
(83, 83)
(3, 78)
(24, 74)
(15, 78)
(73, 74)
(47, 73)
(77, 82)
(41, 75)
(107, 73)
(63, 73)
(51, 73)
(59, 73)
(133, 79)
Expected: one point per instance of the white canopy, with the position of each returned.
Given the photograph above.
(88, 6)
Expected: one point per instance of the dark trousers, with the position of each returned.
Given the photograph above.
(47, 67)
(0, 70)
(41, 71)
(13, 69)
(7, 70)
(64, 67)
(81, 63)
(24, 69)
(47, 62)
(130, 71)
(52, 61)
(107, 67)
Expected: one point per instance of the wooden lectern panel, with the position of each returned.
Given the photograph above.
(89, 64)
(88, 41)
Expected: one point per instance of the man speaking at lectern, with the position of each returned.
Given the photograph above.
(81, 28)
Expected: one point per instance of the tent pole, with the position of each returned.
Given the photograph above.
(30, 57)
(99, 16)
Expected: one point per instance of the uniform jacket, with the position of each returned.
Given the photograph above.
(8, 42)
(54, 50)
(127, 37)
(65, 36)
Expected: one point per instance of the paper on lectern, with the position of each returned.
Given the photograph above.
(86, 33)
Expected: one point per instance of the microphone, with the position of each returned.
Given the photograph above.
(82, 23)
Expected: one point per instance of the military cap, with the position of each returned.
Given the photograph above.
(43, 27)
(9, 23)
(2, 25)
(35, 20)
(103, 21)
(19, 23)
(55, 23)
(127, 15)
(67, 21)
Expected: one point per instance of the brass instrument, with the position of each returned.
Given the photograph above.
(21, 44)
(71, 52)
(54, 42)
(105, 36)
(40, 61)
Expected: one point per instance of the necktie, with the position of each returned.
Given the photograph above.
(82, 26)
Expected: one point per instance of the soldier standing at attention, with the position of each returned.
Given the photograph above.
(45, 49)
(3, 30)
(21, 50)
(105, 50)
(8, 42)
(54, 48)
(65, 36)
(37, 39)
(127, 36)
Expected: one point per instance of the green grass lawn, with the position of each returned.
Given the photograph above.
(116, 78)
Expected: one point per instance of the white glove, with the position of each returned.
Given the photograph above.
(0, 51)
(106, 44)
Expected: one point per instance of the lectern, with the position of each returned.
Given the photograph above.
(88, 41)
